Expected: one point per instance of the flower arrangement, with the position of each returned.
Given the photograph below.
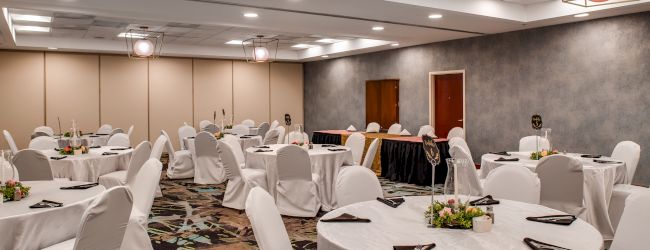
(539, 154)
(218, 135)
(227, 126)
(69, 150)
(9, 190)
(451, 214)
(298, 143)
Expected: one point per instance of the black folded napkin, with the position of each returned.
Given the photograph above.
(485, 201)
(345, 217)
(102, 134)
(538, 245)
(504, 153)
(118, 149)
(607, 162)
(82, 186)
(591, 156)
(57, 149)
(109, 153)
(507, 159)
(245, 137)
(564, 219)
(263, 150)
(58, 157)
(392, 202)
(418, 247)
(93, 136)
(191, 137)
(328, 146)
(96, 147)
(46, 204)
(336, 149)
(264, 146)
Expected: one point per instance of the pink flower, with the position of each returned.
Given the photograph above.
(444, 212)
(451, 201)
(11, 183)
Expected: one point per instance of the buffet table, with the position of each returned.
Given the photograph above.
(403, 160)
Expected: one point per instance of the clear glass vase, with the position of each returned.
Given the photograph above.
(546, 134)
(450, 187)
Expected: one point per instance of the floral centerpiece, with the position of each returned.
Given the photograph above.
(298, 143)
(69, 150)
(9, 189)
(218, 135)
(539, 154)
(452, 214)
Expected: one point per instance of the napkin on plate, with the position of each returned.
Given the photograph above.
(328, 146)
(607, 162)
(504, 153)
(336, 149)
(591, 156)
(263, 146)
(93, 136)
(538, 245)
(82, 186)
(345, 217)
(391, 202)
(415, 247)
(485, 201)
(263, 150)
(245, 136)
(351, 128)
(95, 147)
(58, 157)
(46, 204)
(109, 153)
(507, 159)
(404, 132)
(101, 134)
(563, 219)
(119, 149)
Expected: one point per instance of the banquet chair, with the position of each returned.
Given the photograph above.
(456, 132)
(32, 165)
(248, 122)
(628, 152)
(271, 137)
(295, 136)
(266, 221)
(208, 168)
(426, 130)
(143, 186)
(516, 183)
(184, 132)
(233, 142)
(632, 230)
(104, 223)
(203, 124)
(274, 124)
(211, 128)
(370, 154)
(533, 143)
(459, 141)
(240, 181)
(297, 193)
(357, 143)
(281, 132)
(562, 181)
(45, 129)
(105, 129)
(373, 127)
(130, 131)
(119, 140)
(394, 129)
(116, 131)
(43, 143)
(469, 182)
(10, 141)
(140, 155)
(240, 129)
(158, 147)
(357, 184)
(180, 165)
(263, 128)
(39, 134)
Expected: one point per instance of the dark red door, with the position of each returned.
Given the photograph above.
(448, 103)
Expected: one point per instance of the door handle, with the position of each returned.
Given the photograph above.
(460, 120)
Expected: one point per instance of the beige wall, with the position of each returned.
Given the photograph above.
(36, 87)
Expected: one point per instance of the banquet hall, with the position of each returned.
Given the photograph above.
(324, 124)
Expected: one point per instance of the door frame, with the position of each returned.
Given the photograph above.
(432, 96)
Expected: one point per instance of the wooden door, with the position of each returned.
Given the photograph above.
(382, 102)
(448, 103)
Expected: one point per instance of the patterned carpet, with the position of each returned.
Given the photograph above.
(190, 216)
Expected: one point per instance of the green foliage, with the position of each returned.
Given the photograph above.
(452, 214)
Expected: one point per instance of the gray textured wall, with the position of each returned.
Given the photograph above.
(590, 81)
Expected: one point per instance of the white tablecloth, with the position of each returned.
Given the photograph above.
(245, 142)
(88, 167)
(22, 227)
(405, 225)
(325, 163)
(598, 184)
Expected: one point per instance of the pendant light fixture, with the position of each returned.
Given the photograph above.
(260, 49)
(143, 43)
(590, 3)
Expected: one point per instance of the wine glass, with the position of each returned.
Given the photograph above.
(433, 156)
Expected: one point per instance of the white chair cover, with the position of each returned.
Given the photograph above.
(10, 141)
(271, 137)
(158, 147)
(180, 164)
(43, 143)
(469, 182)
(130, 131)
(208, 168)
(459, 141)
(370, 154)
(281, 132)
(297, 194)
(356, 142)
(233, 142)
(513, 183)
(456, 132)
(143, 187)
(562, 182)
(32, 165)
(119, 140)
(266, 221)
(140, 155)
(184, 132)
(263, 128)
(39, 133)
(274, 124)
(211, 128)
(395, 129)
(240, 181)
(105, 129)
(240, 129)
(373, 127)
(45, 129)
(628, 152)
(357, 184)
(295, 136)
(116, 131)
(531, 143)
(204, 124)
(426, 130)
(248, 122)
(632, 231)
(620, 193)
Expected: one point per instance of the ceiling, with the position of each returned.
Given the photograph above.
(200, 28)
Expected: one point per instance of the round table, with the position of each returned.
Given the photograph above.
(599, 180)
(405, 225)
(35, 228)
(244, 141)
(324, 162)
(88, 167)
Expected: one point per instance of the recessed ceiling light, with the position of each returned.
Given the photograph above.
(31, 28)
(328, 40)
(234, 42)
(377, 28)
(31, 18)
(324, 56)
(394, 44)
(251, 15)
(132, 35)
(582, 15)
(302, 46)
(435, 16)
(52, 48)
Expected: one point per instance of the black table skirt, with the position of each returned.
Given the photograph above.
(325, 138)
(405, 161)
